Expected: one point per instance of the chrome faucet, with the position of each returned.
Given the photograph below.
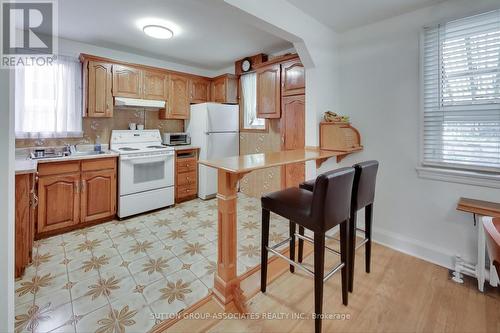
(71, 149)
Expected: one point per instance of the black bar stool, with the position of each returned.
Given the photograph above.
(363, 196)
(319, 211)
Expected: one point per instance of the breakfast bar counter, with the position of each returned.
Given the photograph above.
(230, 170)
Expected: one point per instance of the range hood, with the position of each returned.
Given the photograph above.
(139, 103)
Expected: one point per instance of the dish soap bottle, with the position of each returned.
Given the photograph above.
(97, 145)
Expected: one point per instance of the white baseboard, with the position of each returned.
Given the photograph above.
(414, 248)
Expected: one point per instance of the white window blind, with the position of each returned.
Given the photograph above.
(48, 99)
(461, 92)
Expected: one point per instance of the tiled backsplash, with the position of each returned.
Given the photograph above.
(259, 182)
(92, 127)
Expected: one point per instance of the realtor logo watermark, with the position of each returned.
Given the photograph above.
(28, 32)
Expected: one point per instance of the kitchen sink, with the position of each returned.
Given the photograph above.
(87, 153)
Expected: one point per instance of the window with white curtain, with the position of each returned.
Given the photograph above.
(461, 93)
(249, 105)
(48, 100)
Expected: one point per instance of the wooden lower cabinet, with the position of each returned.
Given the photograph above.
(73, 194)
(186, 175)
(24, 223)
(98, 196)
(59, 205)
(293, 174)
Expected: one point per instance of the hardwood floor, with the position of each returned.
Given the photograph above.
(401, 294)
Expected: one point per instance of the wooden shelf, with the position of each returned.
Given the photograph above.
(339, 137)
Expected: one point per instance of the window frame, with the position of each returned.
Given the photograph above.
(242, 114)
(467, 175)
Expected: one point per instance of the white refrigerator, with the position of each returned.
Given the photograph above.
(215, 129)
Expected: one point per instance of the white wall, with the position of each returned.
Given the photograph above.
(316, 45)
(379, 89)
(73, 48)
(6, 206)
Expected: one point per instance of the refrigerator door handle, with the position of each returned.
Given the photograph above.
(220, 132)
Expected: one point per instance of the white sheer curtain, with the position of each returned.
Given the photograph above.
(48, 100)
(249, 92)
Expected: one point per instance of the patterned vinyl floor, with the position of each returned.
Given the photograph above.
(124, 276)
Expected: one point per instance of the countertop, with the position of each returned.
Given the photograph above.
(107, 154)
(27, 165)
(185, 147)
(247, 163)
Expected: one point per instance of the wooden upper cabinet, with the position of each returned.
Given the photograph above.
(293, 78)
(127, 82)
(269, 91)
(200, 91)
(225, 89)
(59, 201)
(178, 105)
(155, 85)
(98, 84)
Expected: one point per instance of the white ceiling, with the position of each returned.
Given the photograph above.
(212, 34)
(342, 15)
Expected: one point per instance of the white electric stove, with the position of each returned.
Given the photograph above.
(146, 171)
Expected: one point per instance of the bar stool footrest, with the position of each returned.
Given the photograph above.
(310, 240)
(360, 244)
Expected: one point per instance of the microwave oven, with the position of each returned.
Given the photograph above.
(176, 139)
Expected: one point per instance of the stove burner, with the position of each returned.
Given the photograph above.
(128, 149)
(156, 147)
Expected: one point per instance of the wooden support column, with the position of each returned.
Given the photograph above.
(227, 284)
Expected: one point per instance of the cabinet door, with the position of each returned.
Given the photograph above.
(219, 90)
(98, 195)
(99, 98)
(200, 91)
(293, 137)
(127, 81)
(232, 82)
(293, 79)
(225, 89)
(155, 85)
(24, 230)
(178, 103)
(59, 201)
(269, 91)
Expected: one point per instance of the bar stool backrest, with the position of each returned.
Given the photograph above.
(331, 201)
(364, 184)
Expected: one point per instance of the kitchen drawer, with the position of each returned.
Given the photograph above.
(186, 178)
(99, 164)
(186, 165)
(57, 168)
(187, 190)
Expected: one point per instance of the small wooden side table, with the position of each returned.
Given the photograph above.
(480, 210)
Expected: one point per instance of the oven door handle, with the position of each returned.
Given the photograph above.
(147, 159)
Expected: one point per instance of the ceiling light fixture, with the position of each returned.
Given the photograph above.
(158, 31)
